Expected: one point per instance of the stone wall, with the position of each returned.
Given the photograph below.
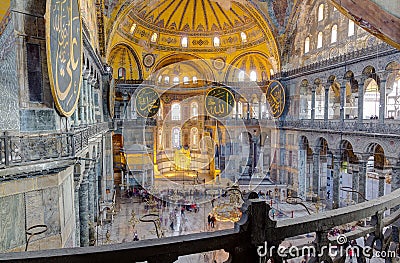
(44, 200)
(9, 108)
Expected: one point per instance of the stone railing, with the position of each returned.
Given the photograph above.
(17, 149)
(139, 122)
(391, 127)
(254, 233)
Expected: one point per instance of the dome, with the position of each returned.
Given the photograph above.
(193, 24)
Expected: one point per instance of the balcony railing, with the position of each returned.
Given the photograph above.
(17, 149)
(254, 230)
(369, 126)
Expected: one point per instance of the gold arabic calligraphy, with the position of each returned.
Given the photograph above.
(219, 102)
(65, 49)
(147, 102)
(276, 99)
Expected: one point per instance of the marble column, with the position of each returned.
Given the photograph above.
(342, 101)
(93, 102)
(381, 186)
(326, 105)
(362, 176)
(336, 181)
(76, 206)
(86, 99)
(354, 184)
(237, 110)
(314, 88)
(316, 161)
(302, 172)
(84, 212)
(361, 101)
(91, 194)
(81, 103)
(395, 183)
(382, 100)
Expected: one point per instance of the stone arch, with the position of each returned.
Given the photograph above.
(192, 60)
(131, 51)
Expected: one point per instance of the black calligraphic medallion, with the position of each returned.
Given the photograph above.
(64, 53)
(219, 102)
(147, 102)
(276, 98)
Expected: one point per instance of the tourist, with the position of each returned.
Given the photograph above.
(213, 220)
(135, 237)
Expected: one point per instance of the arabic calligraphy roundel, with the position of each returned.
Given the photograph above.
(147, 102)
(64, 53)
(219, 102)
(276, 98)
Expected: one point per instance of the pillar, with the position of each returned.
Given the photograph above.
(395, 183)
(382, 100)
(316, 160)
(84, 212)
(81, 103)
(362, 176)
(313, 103)
(381, 186)
(342, 100)
(336, 181)
(326, 105)
(354, 183)
(302, 171)
(91, 195)
(76, 206)
(86, 97)
(361, 101)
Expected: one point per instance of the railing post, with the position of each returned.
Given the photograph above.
(7, 151)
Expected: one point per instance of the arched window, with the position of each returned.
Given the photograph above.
(121, 73)
(160, 138)
(334, 34)
(244, 37)
(160, 111)
(154, 38)
(194, 109)
(176, 80)
(176, 137)
(216, 42)
(176, 112)
(319, 42)
(133, 27)
(271, 71)
(241, 75)
(307, 45)
(166, 80)
(351, 28)
(159, 79)
(321, 12)
(194, 79)
(240, 109)
(194, 137)
(184, 42)
(185, 80)
(253, 76)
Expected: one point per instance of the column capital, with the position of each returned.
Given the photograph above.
(363, 157)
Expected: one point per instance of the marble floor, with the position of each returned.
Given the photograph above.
(173, 223)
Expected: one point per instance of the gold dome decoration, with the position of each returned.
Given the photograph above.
(200, 22)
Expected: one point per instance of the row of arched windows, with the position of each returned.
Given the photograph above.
(334, 31)
(176, 137)
(185, 40)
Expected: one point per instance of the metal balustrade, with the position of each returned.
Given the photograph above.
(17, 149)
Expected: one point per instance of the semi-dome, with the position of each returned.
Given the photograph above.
(193, 24)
